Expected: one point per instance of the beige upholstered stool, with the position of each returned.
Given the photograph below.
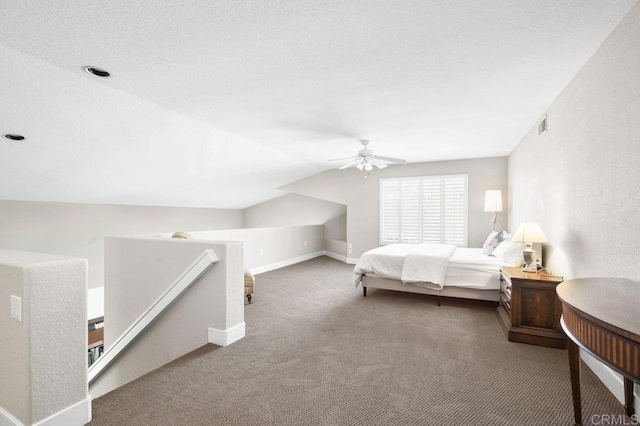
(249, 282)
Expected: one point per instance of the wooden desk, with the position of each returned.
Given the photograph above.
(601, 316)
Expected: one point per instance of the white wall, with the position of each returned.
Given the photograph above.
(336, 228)
(336, 249)
(269, 248)
(43, 362)
(70, 229)
(579, 180)
(361, 195)
(138, 271)
(296, 209)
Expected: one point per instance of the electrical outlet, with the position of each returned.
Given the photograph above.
(542, 126)
(350, 251)
(16, 308)
(350, 246)
(306, 243)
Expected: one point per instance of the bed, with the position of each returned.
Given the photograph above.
(433, 269)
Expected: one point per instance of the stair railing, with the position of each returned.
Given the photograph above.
(153, 312)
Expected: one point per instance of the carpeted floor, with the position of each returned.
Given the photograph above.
(318, 353)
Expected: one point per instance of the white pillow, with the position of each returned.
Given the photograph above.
(510, 253)
(492, 242)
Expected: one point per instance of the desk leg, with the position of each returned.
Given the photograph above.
(574, 368)
(628, 396)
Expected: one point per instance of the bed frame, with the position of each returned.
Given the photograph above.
(458, 292)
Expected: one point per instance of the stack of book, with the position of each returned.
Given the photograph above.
(96, 339)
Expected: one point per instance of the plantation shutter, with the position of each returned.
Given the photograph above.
(410, 210)
(390, 206)
(429, 209)
(432, 210)
(455, 210)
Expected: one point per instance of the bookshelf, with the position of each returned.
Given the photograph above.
(95, 343)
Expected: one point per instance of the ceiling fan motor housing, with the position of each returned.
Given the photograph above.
(366, 153)
(365, 160)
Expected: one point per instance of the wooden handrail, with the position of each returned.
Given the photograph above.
(157, 308)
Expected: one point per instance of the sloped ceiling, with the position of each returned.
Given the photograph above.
(218, 103)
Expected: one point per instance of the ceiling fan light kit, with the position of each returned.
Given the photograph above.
(365, 160)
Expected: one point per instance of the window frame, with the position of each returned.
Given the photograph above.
(420, 179)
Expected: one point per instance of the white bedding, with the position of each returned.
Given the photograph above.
(467, 267)
(426, 265)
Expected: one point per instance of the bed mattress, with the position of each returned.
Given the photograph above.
(467, 268)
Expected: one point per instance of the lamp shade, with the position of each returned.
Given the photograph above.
(493, 201)
(529, 232)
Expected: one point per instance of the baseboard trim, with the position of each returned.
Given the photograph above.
(8, 419)
(226, 337)
(335, 256)
(277, 265)
(611, 379)
(77, 414)
(352, 260)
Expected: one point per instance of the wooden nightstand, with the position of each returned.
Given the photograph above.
(530, 310)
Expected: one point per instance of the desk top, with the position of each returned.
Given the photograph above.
(615, 301)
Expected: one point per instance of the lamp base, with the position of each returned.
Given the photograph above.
(529, 254)
(493, 220)
(530, 268)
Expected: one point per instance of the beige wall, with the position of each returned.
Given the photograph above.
(336, 228)
(336, 247)
(138, 271)
(43, 362)
(15, 396)
(360, 194)
(267, 248)
(78, 230)
(296, 209)
(580, 179)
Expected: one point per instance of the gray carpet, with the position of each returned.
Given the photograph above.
(318, 353)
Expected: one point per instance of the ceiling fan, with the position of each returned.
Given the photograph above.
(365, 160)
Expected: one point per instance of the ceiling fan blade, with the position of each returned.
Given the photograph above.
(342, 159)
(379, 164)
(390, 159)
(351, 164)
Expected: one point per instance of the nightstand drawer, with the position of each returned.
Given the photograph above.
(505, 290)
(505, 302)
(505, 281)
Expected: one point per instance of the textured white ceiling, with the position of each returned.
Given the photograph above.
(217, 103)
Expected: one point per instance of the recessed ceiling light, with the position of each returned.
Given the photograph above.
(13, 137)
(97, 71)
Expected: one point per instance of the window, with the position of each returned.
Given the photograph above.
(425, 209)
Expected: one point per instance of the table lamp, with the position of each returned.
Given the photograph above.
(529, 233)
(493, 204)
